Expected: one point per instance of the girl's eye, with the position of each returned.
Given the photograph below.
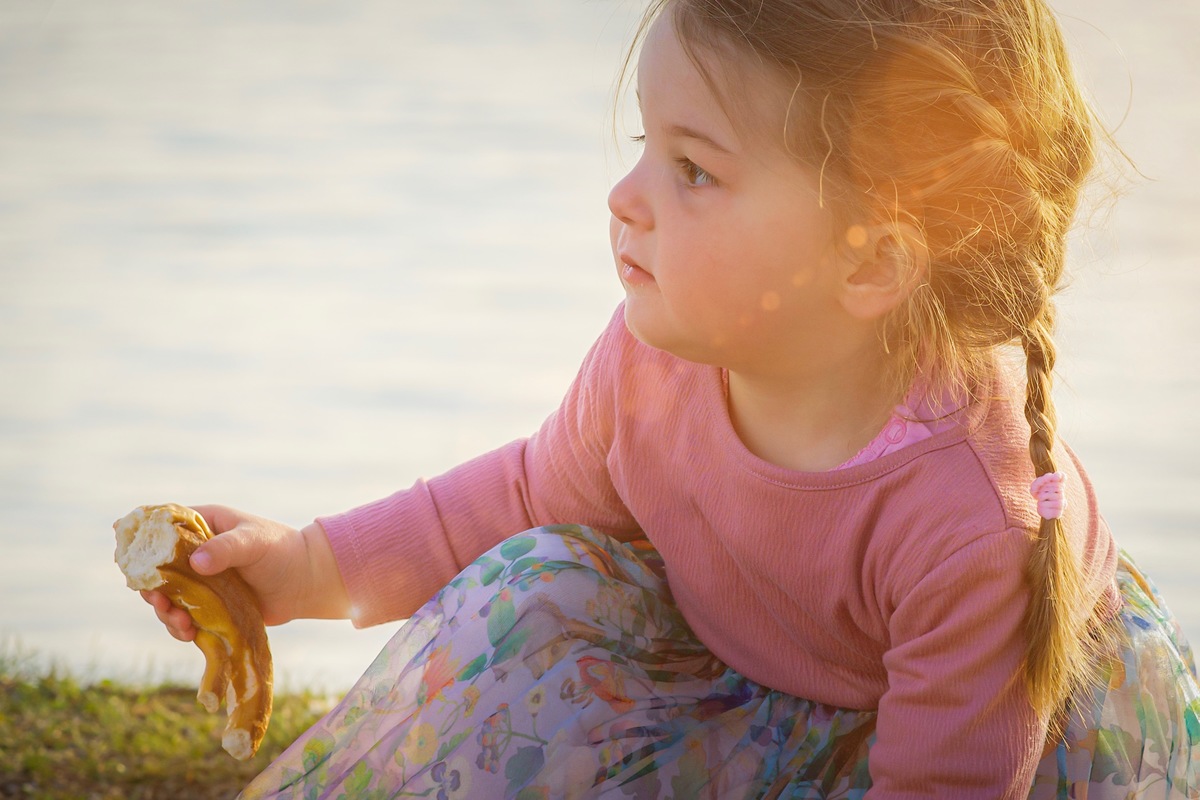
(694, 174)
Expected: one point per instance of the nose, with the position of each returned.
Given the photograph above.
(627, 200)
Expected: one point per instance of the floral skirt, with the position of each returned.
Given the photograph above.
(556, 665)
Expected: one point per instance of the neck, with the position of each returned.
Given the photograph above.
(813, 420)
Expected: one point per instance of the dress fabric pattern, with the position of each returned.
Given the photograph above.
(557, 665)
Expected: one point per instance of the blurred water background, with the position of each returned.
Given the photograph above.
(290, 256)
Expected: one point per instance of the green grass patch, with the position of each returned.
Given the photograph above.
(60, 738)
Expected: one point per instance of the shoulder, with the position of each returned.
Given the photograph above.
(961, 504)
(971, 501)
(1000, 444)
(984, 475)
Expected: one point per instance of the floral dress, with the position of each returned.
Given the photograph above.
(556, 665)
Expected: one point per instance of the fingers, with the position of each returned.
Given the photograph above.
(220, 518)
(238, 547)
(177, 621)
(239, 540)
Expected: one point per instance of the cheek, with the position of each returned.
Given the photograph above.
(794, 251)
(712, 283)
(768, 278)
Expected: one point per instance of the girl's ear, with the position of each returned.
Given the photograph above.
(883, 264)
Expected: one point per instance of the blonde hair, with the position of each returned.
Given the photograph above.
(961, 118)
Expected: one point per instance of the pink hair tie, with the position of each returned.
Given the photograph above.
(1048, 489)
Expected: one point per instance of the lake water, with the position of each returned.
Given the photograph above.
(290, 256)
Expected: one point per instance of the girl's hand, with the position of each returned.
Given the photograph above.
(292, 572)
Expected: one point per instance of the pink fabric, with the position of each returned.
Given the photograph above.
(894, 584)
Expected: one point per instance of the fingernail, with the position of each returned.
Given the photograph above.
(201, 561)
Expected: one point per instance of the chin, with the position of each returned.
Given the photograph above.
(645, 324)
(651, 328)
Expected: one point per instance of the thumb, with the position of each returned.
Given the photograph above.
(231, 549)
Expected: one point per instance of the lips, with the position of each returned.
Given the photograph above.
(632, 273)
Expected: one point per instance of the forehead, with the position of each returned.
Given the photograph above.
(716, 81)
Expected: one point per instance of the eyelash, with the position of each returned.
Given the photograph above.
(695, 174)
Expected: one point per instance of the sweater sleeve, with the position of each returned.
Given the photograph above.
(397, 552)
(956, 720)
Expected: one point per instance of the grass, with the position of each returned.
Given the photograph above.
(61, 738)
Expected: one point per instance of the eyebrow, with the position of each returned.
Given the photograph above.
(703, 138)
(687, 132)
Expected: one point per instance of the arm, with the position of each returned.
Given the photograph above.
(956, 720)
(395, 553)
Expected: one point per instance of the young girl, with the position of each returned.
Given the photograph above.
(795, 530)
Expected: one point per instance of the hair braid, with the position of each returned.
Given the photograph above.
(1057, 658)
(1040, 356)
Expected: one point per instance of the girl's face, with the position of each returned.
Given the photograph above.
(720, 240)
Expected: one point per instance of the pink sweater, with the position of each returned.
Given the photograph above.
(895, 584)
